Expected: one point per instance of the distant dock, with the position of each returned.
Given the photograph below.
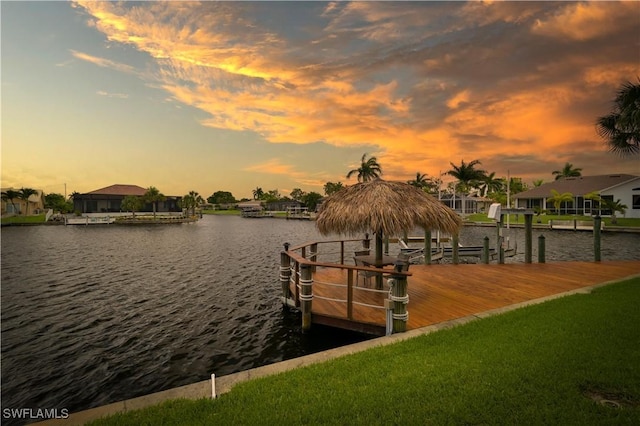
(574, 225)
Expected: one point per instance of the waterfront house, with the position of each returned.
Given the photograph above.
(109, 200)
(281, 206)
(19, 206)
(471, 204)
(625, 188)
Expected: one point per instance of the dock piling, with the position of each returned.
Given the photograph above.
(485, 250)
(285, 274)
(306, 295)
(528, 237)
(541, 243)
(427, 247)
(454, 249)
(597, 223)
(400, 298)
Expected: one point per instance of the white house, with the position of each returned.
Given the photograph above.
(625, 188)
(628, 193)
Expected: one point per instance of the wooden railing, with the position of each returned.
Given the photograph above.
(299, 263)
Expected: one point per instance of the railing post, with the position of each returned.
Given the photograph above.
(285, 273)
(400, 299)
(306, 295)
(528, 237)
(541, 256)
(342, 252)
(454, 249)
(350, 294)
(427, 247)
(597, 222)
(296, 279)
(313, 255)
(500, 241)
(485, 250)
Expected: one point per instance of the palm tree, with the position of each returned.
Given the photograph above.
(567, 171)
(258, 193)
(557, 199)
(468, 177)
(332, 187)
(595, 197)
(153, 196)
(538, 182)
(131, 203)
(538, 210)
(368, 170)
(191, 201)
(421, 181)
(621, 128)
(10, 195)
(614, 206)
(25, 193)
(491, 184)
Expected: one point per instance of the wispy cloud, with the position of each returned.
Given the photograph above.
(112, 95)
(103, 62)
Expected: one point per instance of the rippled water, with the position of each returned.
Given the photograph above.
(560, 245)
(96, 314)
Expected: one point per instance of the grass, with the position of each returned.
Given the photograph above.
(544, 364)
(544, 219)
(19, 220)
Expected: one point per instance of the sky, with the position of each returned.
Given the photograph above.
(232, 96)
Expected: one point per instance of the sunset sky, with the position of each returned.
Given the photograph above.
(279, 95)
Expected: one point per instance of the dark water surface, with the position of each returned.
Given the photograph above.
(96, 314)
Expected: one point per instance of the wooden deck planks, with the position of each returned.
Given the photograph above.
(443, 292)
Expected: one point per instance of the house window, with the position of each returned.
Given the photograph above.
(636, 201)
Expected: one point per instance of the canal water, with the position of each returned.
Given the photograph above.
(97, 314)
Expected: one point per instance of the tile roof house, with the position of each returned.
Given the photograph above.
(109, 200)
(625, 188)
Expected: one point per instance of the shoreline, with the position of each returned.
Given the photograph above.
(624, 229)
(607, 229)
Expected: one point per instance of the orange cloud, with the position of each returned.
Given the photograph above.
(584, 21)
(422, 106)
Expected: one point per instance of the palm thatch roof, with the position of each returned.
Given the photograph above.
(384, 206)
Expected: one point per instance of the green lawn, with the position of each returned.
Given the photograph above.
(31, 219)
(551, 363)
(544, 219)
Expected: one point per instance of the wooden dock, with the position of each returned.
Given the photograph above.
(440, 293)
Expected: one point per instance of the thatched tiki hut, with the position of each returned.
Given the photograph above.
(384, 208)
